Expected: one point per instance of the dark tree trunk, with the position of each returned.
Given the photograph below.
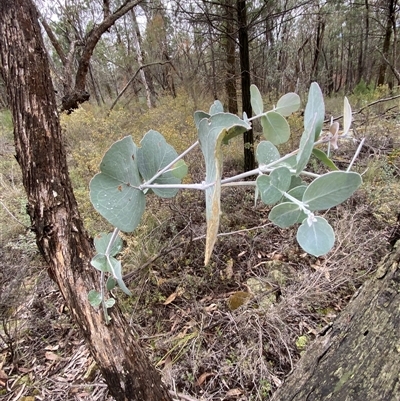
(358, 358)
(52, 207)
(230, 46)
(249, 160)
(390, 23)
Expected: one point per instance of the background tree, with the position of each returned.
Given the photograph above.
(52, 207)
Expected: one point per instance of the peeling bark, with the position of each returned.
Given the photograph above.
(359, 357)
(53, 210)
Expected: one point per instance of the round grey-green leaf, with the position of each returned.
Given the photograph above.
(331, 189)
(288, 104)
(275, 128)
(114, 191)
(94, 298)
(266, 153)
(268, 193)
(102, 240)
(316, 239)
(285, 214)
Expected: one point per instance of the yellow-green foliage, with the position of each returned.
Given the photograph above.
(382, 188)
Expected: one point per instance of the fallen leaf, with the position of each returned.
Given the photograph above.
(235, 392)
(51, 356)
(171, 298)
(229, 269)
(203, 378)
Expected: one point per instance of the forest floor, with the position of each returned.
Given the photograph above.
(231, 330)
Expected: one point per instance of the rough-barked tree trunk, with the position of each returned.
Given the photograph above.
(52, 207)
(358, 358)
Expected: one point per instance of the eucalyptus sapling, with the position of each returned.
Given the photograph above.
(129, 173)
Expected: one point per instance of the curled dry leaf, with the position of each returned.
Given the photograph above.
(203, 378)
(334, 130)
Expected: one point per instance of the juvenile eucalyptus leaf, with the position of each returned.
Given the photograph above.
(266, 153)
(331, 189)
(275, 128)
(314, 112)
(290, 162)
(321, 156)
(256, 100)
(114, 191)
(99, 262)
(305, 149)
(347, 116)
(212, 133)
(198, 116)
(216, 107)
(111, 283)
(286, 214)
(316, 239)
(281, 178)
(117, 273)
(288, 104)
(296, 182)
(298, 192)
(109, 303)
(102, 240)
(153, 155)
(268, 193)
(94, 298)
(179, 169)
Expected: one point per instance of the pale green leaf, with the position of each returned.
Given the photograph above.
(216, 107)
(212, 132)
(102, 240)
(275, 128)
(295, 181)
(305, 149)
(316, 239)
(288, 104)
(314, 112)
(153, 155)
(99, 262)
(290, 162)
(94, 298)
(347, 116)
(256, 100)
(268, 193)
(281, 178)
(116, 270)
(331, 189)
(266, 153)
(179, 169)
(111, 283)
(286, 214)
(198, 116)
(321, 156)
(298, 192)
(113, 191)
(109, 303)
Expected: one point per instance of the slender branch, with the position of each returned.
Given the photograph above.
(5, 208)
(133, 78)
(53, 39)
